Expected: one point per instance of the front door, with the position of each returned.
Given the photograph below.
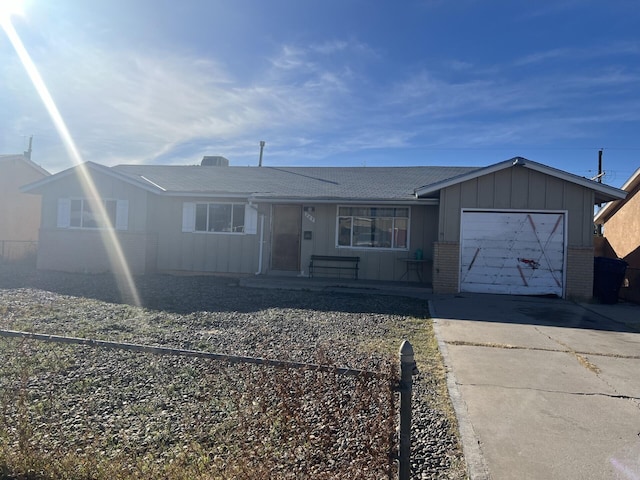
(285, 252)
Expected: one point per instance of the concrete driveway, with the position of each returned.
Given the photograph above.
(543, 388)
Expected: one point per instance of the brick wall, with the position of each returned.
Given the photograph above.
(579, 273)
(446, 259)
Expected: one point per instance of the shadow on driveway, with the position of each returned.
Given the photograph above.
(541, 311)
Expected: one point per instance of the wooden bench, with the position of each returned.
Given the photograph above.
(333, 262)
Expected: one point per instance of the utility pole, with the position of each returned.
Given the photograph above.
(600, 166)
(599, 226)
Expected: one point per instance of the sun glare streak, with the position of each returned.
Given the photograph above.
(9, 8)
(109, 237)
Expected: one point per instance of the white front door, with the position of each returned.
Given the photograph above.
(512, 252)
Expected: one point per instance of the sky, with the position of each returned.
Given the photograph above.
(329, 82)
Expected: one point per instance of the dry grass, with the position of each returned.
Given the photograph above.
(194, 420)
(75, 412)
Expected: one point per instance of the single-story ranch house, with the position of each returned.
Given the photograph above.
(515, 227)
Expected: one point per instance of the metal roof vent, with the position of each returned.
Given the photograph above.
(214, 161)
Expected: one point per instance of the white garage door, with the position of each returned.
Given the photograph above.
(519, 253)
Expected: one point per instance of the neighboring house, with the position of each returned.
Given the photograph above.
(621, 225)
(19, 212)
(514, 227)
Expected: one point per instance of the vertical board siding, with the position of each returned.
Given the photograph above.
(518, 189)
(537, 191)
(200, 251)
(385, 265)
(503, 191)
(520, 179)
(486, 191)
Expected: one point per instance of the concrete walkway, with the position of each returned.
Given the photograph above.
(543, 388)
(336, 285)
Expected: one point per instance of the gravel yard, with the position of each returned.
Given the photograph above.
(107, 403)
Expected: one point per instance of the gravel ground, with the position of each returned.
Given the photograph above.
(213, 314)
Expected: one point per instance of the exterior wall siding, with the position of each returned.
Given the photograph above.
(201, 251)
(19, 212)
(88, 251)
(519, 189)
(382, 265)
(622, 230)
(84, 250)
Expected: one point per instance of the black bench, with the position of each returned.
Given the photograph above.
(333, 262)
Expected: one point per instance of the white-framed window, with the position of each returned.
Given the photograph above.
(80, 213)
(373, 227)
(230, 218)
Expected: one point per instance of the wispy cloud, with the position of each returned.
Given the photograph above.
(312, 100)
(609, 52)
(135, 107)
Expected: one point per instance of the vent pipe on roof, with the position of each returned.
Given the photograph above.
(214, 161)
(27, 154)
(261, 149)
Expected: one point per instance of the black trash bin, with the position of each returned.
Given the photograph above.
(608, 275)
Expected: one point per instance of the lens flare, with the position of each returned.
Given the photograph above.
(110, 239)
(8, 8)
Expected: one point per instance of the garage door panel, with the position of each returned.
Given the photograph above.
(499, 244)
(512, 252)
(508, 290)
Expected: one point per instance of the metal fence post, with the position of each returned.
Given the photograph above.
(408, 368)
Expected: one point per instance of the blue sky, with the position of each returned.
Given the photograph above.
(330, 83)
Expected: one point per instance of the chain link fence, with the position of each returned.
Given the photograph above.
(18, 251)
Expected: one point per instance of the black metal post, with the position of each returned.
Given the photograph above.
(407, 369)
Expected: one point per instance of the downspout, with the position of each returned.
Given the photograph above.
(259, 272)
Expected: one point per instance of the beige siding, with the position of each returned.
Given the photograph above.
(486, 191)
(19, 212)
(503, 189)
(200, 251)
(622, 230)
(374, 264)
(107, 188)
(86, 250)
(537, 197)
(90, 251)
(449, 220)
(518, 189)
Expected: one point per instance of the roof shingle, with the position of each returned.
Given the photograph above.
(381, 183)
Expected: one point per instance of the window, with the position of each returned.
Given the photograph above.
(373, 227)
(80, 213)
(219, 218)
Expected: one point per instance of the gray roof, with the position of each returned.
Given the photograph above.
(354, 183)
(345, 184)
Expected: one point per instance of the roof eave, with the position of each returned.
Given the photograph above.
(603, 192)
(345, 200)
(36, 187)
